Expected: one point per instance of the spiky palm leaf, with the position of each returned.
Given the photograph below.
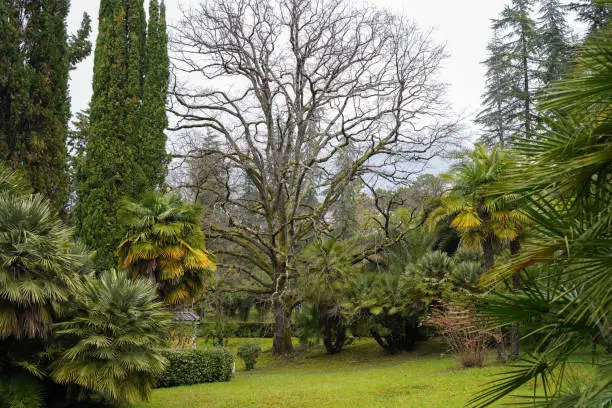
(565, 174)
(37, 265)
(165, 244)
(114, 335)
(475, 213)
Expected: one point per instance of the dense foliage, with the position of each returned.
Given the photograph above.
(565, 174)
(196, 366)
(164, 243)
(123, 157)
(36, 55)
(37, 263)
(119, 326)
(249, 352)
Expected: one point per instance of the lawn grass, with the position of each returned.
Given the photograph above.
(361, 376)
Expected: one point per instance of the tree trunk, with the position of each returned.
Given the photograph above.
(499, 345)
(515, 247)
(334, 334)
(487, 249)
(282, 328)
(378, 339)
(489, 261)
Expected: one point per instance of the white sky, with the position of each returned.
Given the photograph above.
(464, 26)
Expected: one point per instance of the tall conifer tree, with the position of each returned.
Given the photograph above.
(153, 157)
(554, 41)
(34, 102)
(125, 122)
(596, 13)
(498, 98)
(514, 55)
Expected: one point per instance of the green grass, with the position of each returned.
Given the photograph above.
(361, 376)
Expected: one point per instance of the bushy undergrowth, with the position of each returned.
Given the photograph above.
(464, 333)
(196, 366)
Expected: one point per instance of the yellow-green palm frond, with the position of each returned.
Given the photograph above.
(472, 238)
(169, 270)
(466, 220)
(163, 233)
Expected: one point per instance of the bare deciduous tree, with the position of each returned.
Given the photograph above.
(283, 87)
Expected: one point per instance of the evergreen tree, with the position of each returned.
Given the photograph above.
(497, 99)
(554, 41)
(109, 170)
(596, 13)
(124, 154)
(34, 105)
(12, 79)
(152, 154)
(512, 74)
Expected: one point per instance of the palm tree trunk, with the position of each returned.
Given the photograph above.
(515, 247)
(489, 261)
(487, 249)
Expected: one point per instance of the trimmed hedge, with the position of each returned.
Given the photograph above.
(196, 366)
(243, 329)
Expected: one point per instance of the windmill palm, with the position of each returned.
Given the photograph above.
(480, 218)
(483, 219)
(565, 176)
(165, 244)
(37, 266)
(327, 267)
(119, 325)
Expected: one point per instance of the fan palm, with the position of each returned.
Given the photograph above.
(119, 326)
(326, 268)
(565, 175)
(480, 218)
(165, 244)
(37, 265)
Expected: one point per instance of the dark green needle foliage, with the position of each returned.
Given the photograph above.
(125, 153)
(36, 55)
(152, 153)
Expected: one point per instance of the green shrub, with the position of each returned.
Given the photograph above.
(248, 352)
(196, 366)
(219, 331)
(111, 340)
(20, 391)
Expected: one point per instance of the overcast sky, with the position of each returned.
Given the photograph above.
(464, 26)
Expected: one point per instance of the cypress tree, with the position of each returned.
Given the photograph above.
(124, 153)
(35, 107)
(153, 157)
(595, 13)
(12, 80)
